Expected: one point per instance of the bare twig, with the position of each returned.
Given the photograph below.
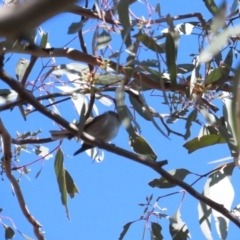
(7, 164)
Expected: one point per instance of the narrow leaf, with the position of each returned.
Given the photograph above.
(140, 146)
(150, 43)
(60, 174)
(178, 228)
(204, 141)
(125, 21)
(211, 6)
(103, 40)
(171, 58)
(71, 187)
(180, 174)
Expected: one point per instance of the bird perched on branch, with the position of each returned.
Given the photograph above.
(104, 127)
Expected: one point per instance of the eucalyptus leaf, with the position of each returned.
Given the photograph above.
(180, 174)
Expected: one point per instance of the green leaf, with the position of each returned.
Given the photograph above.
(44, 40)
(61, 178)
(171, 58)
(236, 104)
(139, 107)
(9, 233)
(213, 76)
(123, 111)
(211, 6)
(140, 146)
(180, 174)
(204, 141)
(156, 231)
(124, 18)
(103, 40)
(125, 229)
(21, 67)
(107, 78)
(75, 27)
(150, 43)
(71, 187)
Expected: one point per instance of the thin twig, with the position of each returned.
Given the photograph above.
(7, 163)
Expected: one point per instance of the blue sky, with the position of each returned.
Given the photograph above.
(109, 191)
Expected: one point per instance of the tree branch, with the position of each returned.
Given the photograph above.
(157, 166)
(7, 164)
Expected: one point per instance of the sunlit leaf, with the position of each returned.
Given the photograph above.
(140, 146)
(220, 181)
(44, 40)
(213, 76)
(204, 141)
(205, 213)
(180, 174)
(43, 151)
(107, 78)
(178, 228)
(7, 95)
(185, 28)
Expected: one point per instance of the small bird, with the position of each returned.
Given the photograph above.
(104, 127)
